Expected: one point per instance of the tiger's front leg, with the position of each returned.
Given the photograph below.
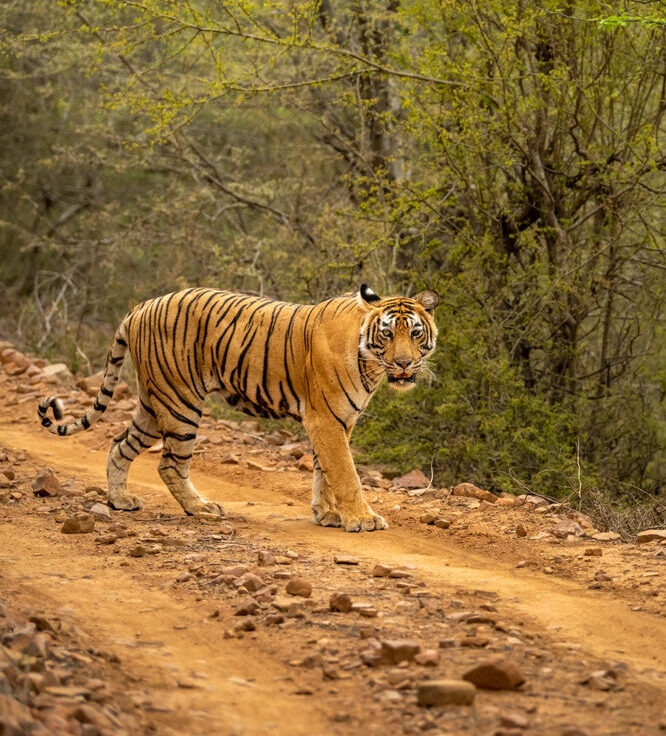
(330, 442)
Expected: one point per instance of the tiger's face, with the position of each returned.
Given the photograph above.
(399, 334)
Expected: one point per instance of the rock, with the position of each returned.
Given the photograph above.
(90, 713)
(495, 674)
(398, 572)
(345, 560)
(442, 523)
(300, 587)
(427, 658)
(469, 490)
(437, 693)
(651, 535)
(381, 571)
(78, 523)
(593, 552)
(306, 462)
(521, 531)
(475, 641)
(505, 501)
(340, 602)
(265, 558)
(606, 537)
(250, 582)
(60, 370)
(394, 651)
(247, 624)
(513, 720)
(414, 479)
(247, 607)
(91, 384)
(46, 484)
(532, 501)
(567, 527)
(106, 539)
(138, 550)
(427, 518)
(101, 512)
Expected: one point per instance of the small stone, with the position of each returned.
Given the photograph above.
(345, 560)
(57, 369)
(606, 537)
(496, 674)
(381, 571)
(46, 484)
(400, 573)
(593, 552)
(565, 528)
(513, 720)
(394, 651)
(246, 624)
(265, 558)
(306, 462)
(106, 539)
(340, 602)
(274, 619)
(448, 643)
(437, 693)
(250, 582)
(427, 658)
(469, 490)
(651, 535)
(521, 531)
(300, 587)
(101, 512)
(413, 479)
(138, 550)
(442, 523)
(78, 523)
(427, 518)
(247, 607)
(505, 501)
(477, 642)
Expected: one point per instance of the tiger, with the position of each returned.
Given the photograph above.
(319, 364)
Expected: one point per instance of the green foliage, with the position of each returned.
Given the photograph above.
(510, 155)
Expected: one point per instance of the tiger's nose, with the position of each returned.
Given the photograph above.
(403, 362)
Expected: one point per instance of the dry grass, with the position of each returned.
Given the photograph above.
(627, 514)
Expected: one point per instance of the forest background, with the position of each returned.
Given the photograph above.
(509, 154)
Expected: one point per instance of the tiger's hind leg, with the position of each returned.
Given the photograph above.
(174, 470)
(324, 507)
(141, 434)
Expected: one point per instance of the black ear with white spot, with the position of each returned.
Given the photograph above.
(368, 295)
(428, 300)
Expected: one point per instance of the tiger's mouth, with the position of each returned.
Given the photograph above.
(401, 381)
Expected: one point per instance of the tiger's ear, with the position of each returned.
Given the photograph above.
(368, 295)
(428, 300)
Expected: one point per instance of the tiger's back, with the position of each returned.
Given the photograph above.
(319, 364)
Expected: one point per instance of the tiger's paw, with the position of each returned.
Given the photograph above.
(205, 509)
(125, 502)
(328, 518)
(366, 523)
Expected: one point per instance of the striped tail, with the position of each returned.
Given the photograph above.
(114, 363)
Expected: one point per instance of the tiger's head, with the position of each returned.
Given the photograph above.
(398, 334)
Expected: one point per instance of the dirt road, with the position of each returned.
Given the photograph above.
(190, 664)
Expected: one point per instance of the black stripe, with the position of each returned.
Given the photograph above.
(344, 391)
(106, 392)
(85, 423)
(331, 410)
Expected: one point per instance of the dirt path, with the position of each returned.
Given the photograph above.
(630, 636)
(188, 656)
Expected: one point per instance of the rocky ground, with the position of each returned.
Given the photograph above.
(471, 615)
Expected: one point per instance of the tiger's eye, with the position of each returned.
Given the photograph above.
(386, 332)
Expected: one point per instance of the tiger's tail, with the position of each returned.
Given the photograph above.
(114, 362)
